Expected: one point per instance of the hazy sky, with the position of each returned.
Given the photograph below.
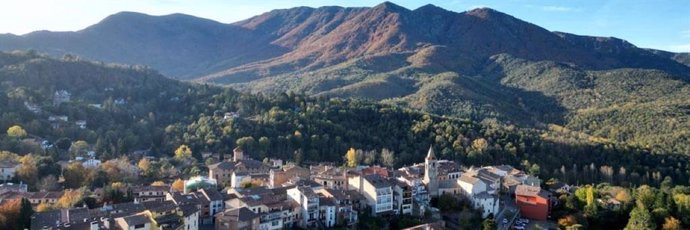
(661, 24)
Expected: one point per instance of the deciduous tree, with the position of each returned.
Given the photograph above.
(16, 131)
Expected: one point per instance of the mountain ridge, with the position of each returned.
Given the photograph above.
(478, 64)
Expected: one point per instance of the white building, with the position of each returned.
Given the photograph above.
(8, 169)
(309, 205)
(379, 193)
(190, 217)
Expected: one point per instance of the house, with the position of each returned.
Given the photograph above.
(12, 187)
(133, 222)
(212, 203)
(379, 194)
(190, 216)
(150, 193)
(308, 202)
(329, 176)
(533, 202)
(402, 197)
(222, 172)
(37, 198)
(480, 193)
(81, 124)
(327, 211)
(346, 213)
(61, 96)
(8, 169)
(277, 177)
(237, 219)
(91, 163)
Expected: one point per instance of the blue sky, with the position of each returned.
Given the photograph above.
(660, 24)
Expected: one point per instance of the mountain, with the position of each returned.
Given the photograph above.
(127, 109)
(479, 64)
(179, 45)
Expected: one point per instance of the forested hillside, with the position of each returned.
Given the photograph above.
(140, 109)
(475, 65)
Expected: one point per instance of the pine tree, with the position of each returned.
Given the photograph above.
(25, 212)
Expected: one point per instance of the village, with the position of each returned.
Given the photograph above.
(243, 193)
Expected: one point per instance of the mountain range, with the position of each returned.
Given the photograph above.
(478, 64)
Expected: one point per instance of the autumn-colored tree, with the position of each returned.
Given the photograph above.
(183, 152)
(671, 223)
(75, 175)
(623, 196)
(351, 158)
(120, 170)
(178, 185)
(144, 165)
(69, 198)
(9, 214)
(16, 131)
(480, 144)
(567, 220)
(158, 183)
(43, 207)
(27, 171)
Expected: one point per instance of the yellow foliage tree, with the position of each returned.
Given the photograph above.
(480, 144)
(70, 198)
(27, 170)
(178, 185)
(183, 152)
(623, 196)
(671, 224)
(351, 158)
(16, 131)
(144, 165)
(43, 207)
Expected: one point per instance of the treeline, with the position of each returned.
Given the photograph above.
(603, 206)
(158, 115)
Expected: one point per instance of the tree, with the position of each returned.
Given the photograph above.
(623, 196)
(79, 148)
(535, 169)
(591, 207)
(16, 131)
(671, 224)
(43, 207)
(178, 185)
(489, 224)
(387, 158)
(158, 183)
(351, 158)
(25, 212)
(69, 198)
(75, 175)
(10, 211)
(144, 165)
(480, 144)
(183, 152)
(27, 170)
(640, 219)
(48, 184)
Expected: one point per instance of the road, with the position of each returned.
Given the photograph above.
(508, 211)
